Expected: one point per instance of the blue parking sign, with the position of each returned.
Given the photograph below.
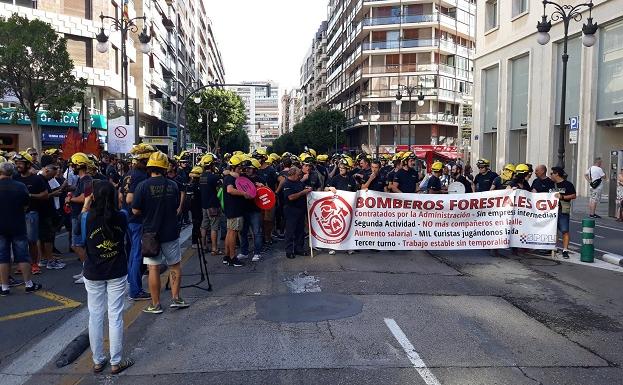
(574, 123)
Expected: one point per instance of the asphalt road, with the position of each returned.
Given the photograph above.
(465, 317)
(608, 235)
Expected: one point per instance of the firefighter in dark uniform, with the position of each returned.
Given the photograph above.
(294, 192)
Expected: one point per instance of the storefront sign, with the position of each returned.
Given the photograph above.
(45, 119)
(383, 221)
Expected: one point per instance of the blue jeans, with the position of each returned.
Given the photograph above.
(105, 296)
(32, 226)
(19, 244)
(252, 220)
(135, 259)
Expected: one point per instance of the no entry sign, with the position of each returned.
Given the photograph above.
(120, 138)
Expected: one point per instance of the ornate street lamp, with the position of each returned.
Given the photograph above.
(566, 13)
(409, 91)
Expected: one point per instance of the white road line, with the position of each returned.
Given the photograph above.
(34, 359)
(414, 357)
(596, 236)
(596, 249)
(602, 226)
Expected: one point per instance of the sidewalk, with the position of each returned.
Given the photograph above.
(580, 211)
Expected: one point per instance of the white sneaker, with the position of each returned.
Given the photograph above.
(55, 265)
(77, 276)
(331, 252)
(79, 280)
(350, 252)
(43, 263)
(194, 246)
(256, 258)
(242, 256)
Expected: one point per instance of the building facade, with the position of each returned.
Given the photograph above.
(183, 53)
(262, 111)
(291, 110)
(377, 48)
(517, 106)
(313, 73)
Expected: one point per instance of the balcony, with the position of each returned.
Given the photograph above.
(413, 68)
(406, 19)
(395, 44)
(403, 118)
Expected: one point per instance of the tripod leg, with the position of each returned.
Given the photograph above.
(202, 260)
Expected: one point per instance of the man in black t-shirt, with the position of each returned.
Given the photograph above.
(13, 238)
(209, 183)
(457, 176)
(376, 180)
(252, 217)
(235, 205)
(342, 181)
(157, 200)
(485, 177)
(38, 192)
(566, 193)
(434, 185)
(294, 192)
(542, 183)
(406, 179)
(270, 175)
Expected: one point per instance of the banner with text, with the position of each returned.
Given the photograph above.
(383, 221)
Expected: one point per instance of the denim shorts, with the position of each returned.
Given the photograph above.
(76, 232)
(19, 244)
(563, 223)
(32, 226)
(170, 253)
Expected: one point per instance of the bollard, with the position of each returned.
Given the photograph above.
(587, 253)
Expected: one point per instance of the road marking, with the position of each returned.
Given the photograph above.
(413, 356)
(602, 226)
(596, 236)
(596, 249)
(65, 303)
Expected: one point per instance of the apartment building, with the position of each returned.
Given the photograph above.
(184, 54)
(377, 48)
(291, 110)
(262, 112)
(314, 73)
(517, 106)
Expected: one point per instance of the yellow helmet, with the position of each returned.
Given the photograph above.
(322, 158)
(311, 152)
(437, 166)
(196, 172)
(483, 163)
(386, 156)
(238, 153)
(286, 154)
(347, 161)
(251, 162)
(142, 151)
(509, 167)
(206, 160)
(53, 151)
(2, 159)
(275, 156)
(522, 168)
(158, 159)
(235, 160)
(79, 159)
(22, 156)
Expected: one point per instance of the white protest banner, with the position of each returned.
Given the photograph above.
(383, 221)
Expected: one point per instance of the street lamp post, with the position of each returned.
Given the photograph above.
(372, 115)
(214, 119)
(566, 13)
(409, 90)
(124, 25)
(197, 100)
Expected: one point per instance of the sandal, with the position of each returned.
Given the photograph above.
(217, 252)
(121, 366)
(98, 368)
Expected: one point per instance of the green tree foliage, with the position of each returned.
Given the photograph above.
(230, 116)
(236, 140)
(314, 132)
(36, 68)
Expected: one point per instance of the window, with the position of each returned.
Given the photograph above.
(519, 93)
(519, 7)
(116, 55)
(490, 118)
(21, 3)
(80, 50)
(610, 88)
(491, 14)
(79, 8)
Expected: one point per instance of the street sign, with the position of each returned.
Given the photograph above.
(120, 139)
(574, 128)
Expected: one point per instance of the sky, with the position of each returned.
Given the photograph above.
(265, 39)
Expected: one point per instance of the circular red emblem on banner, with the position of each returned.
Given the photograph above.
(265, 198)
(330, 219)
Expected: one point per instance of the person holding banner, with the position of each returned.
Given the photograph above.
(566, 193)
(344, 182)
(406, 179)
(376, 181)
(503, 181)
(522, 172)
(294, 192)
(457, 176)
